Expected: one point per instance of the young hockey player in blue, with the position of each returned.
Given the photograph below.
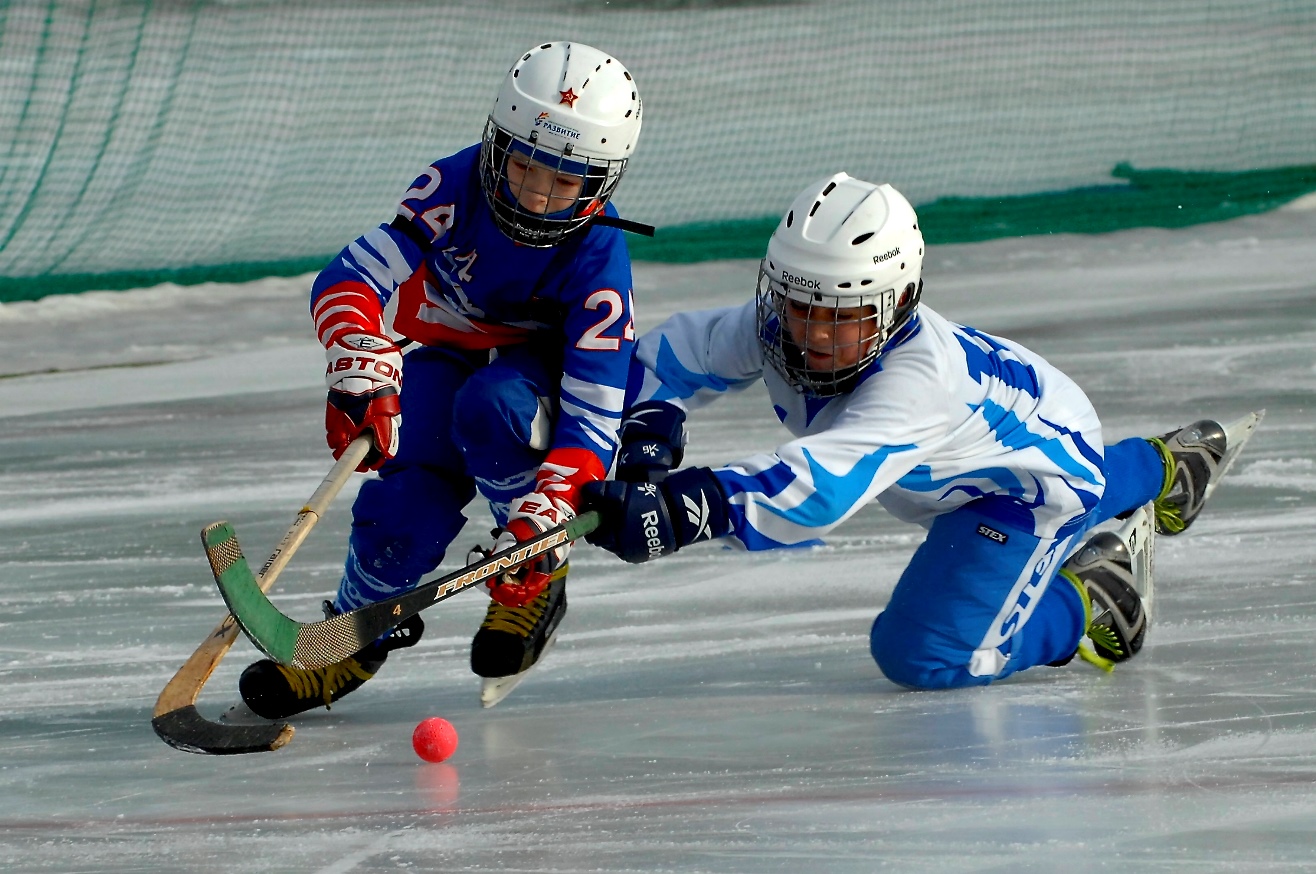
(995, 452)
(506, 271)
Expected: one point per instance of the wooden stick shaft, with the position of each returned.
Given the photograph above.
(185, 686)
(310, 514)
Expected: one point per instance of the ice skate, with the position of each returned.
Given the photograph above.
(1196, 459)
(1114, 573)
(1116, 623)
(276, 691)
(511, 640)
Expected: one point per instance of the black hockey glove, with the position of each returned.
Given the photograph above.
(652, 442)
(641, 521)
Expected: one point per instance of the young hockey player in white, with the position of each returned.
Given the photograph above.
(506, 268)
(997, 453)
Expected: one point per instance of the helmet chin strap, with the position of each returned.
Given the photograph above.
(627, 225)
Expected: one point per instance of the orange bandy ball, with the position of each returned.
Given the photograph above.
(435, 740)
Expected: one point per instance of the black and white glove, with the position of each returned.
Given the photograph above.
(641, 521)
(652, 442)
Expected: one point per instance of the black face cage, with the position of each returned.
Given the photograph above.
(529, 228)
(788, 359)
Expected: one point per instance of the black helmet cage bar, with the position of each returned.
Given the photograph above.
(532, 229)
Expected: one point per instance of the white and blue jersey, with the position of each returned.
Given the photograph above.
(443, 274)
(947, 416)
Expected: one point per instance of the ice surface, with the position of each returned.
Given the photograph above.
(709, 712)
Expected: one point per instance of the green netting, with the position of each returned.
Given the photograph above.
(1152, 198)
(191, 141)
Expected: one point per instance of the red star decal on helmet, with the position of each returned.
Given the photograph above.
(569, 97)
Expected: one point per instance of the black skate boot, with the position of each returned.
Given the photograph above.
(1102, 571)
(512, 639)
(1192, 457)
(276, 691)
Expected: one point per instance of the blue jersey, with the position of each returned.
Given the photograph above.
(444, 274)
(947, 416)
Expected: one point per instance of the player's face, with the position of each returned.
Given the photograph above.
(831, 339)
(541, 189)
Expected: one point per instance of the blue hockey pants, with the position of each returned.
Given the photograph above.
(976, 604)
(467, 425)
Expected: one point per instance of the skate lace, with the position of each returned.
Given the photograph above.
(1169, 518)
(1090, 656)
(1102, 635)
(520, 621)
(324, 681)
(1105, 637)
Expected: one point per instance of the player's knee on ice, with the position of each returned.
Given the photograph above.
(919, 655)
(977, 603)
(918, 660)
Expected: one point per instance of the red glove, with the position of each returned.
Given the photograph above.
(557, 489)
(364, 376)
(529, 517)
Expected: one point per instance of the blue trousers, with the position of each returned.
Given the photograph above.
(972, 608)
(468, 425)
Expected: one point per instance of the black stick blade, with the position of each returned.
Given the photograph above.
(187, 730)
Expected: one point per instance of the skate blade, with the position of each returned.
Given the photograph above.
(1237, 434)
(1139, 535)
(1138, 532)
(494, 689)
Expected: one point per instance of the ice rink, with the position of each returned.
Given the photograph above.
(712, 712)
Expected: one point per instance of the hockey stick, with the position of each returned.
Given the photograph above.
(320, 644)
(176, 719)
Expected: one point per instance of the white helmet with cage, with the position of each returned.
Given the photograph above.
(844, 266)
(573, 110)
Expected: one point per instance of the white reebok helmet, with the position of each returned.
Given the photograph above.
(570, 108)
(844, 244)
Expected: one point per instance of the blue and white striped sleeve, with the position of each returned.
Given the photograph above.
(797, 494)
(385, 257)
(694, 357)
